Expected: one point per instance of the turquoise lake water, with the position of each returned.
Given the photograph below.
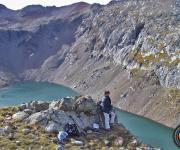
(28, 91)
(148, 131)
(145, 129)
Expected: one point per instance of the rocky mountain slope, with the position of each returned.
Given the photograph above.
(129, 47)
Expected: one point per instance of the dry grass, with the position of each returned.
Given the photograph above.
(37, 139)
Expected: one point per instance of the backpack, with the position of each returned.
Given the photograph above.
(71, 129)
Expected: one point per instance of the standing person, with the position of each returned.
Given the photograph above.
(109, 115)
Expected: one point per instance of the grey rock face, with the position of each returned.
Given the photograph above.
(142, 35)
(135, 34)
(169, 78)
(35, 33)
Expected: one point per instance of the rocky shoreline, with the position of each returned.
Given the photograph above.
(35, 125)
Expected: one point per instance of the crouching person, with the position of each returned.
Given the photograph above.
(109, 115)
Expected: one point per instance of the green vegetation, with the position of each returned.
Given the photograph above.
(162, 56)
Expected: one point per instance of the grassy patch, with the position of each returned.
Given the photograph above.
(162, 56)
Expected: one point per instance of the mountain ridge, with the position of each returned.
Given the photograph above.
(129, 47)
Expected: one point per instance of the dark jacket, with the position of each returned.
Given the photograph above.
(106, 104)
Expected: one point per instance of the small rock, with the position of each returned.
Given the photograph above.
(107, 142)
(121, 148)
(143, 145)
(2, 131)
(22, 107)
(55, 140)
(34, 138)
(11, 136)
(119, 141)
(8, 117)
(26, 131)
(77, 142)
(20, 116)
(89, 131)
(131, 147)
(59, 147)
(8, 129)
(134, 143)
(75, 86)
(28, 111)
(18, 143)
(30, 148)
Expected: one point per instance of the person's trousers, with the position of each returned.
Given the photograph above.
(108, 119)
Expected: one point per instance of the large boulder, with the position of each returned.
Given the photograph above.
(82, 120)
(60, 116)
(40, 106)
(55, 115)
(38, 118)
(54, 105)
(36, 106)
(20, 116)
(85, 104)
(67, 104)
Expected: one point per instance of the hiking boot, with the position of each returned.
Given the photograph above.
(112, 126)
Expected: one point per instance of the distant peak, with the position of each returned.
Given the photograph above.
(30, 7)
(28, 10)
(82, 3)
